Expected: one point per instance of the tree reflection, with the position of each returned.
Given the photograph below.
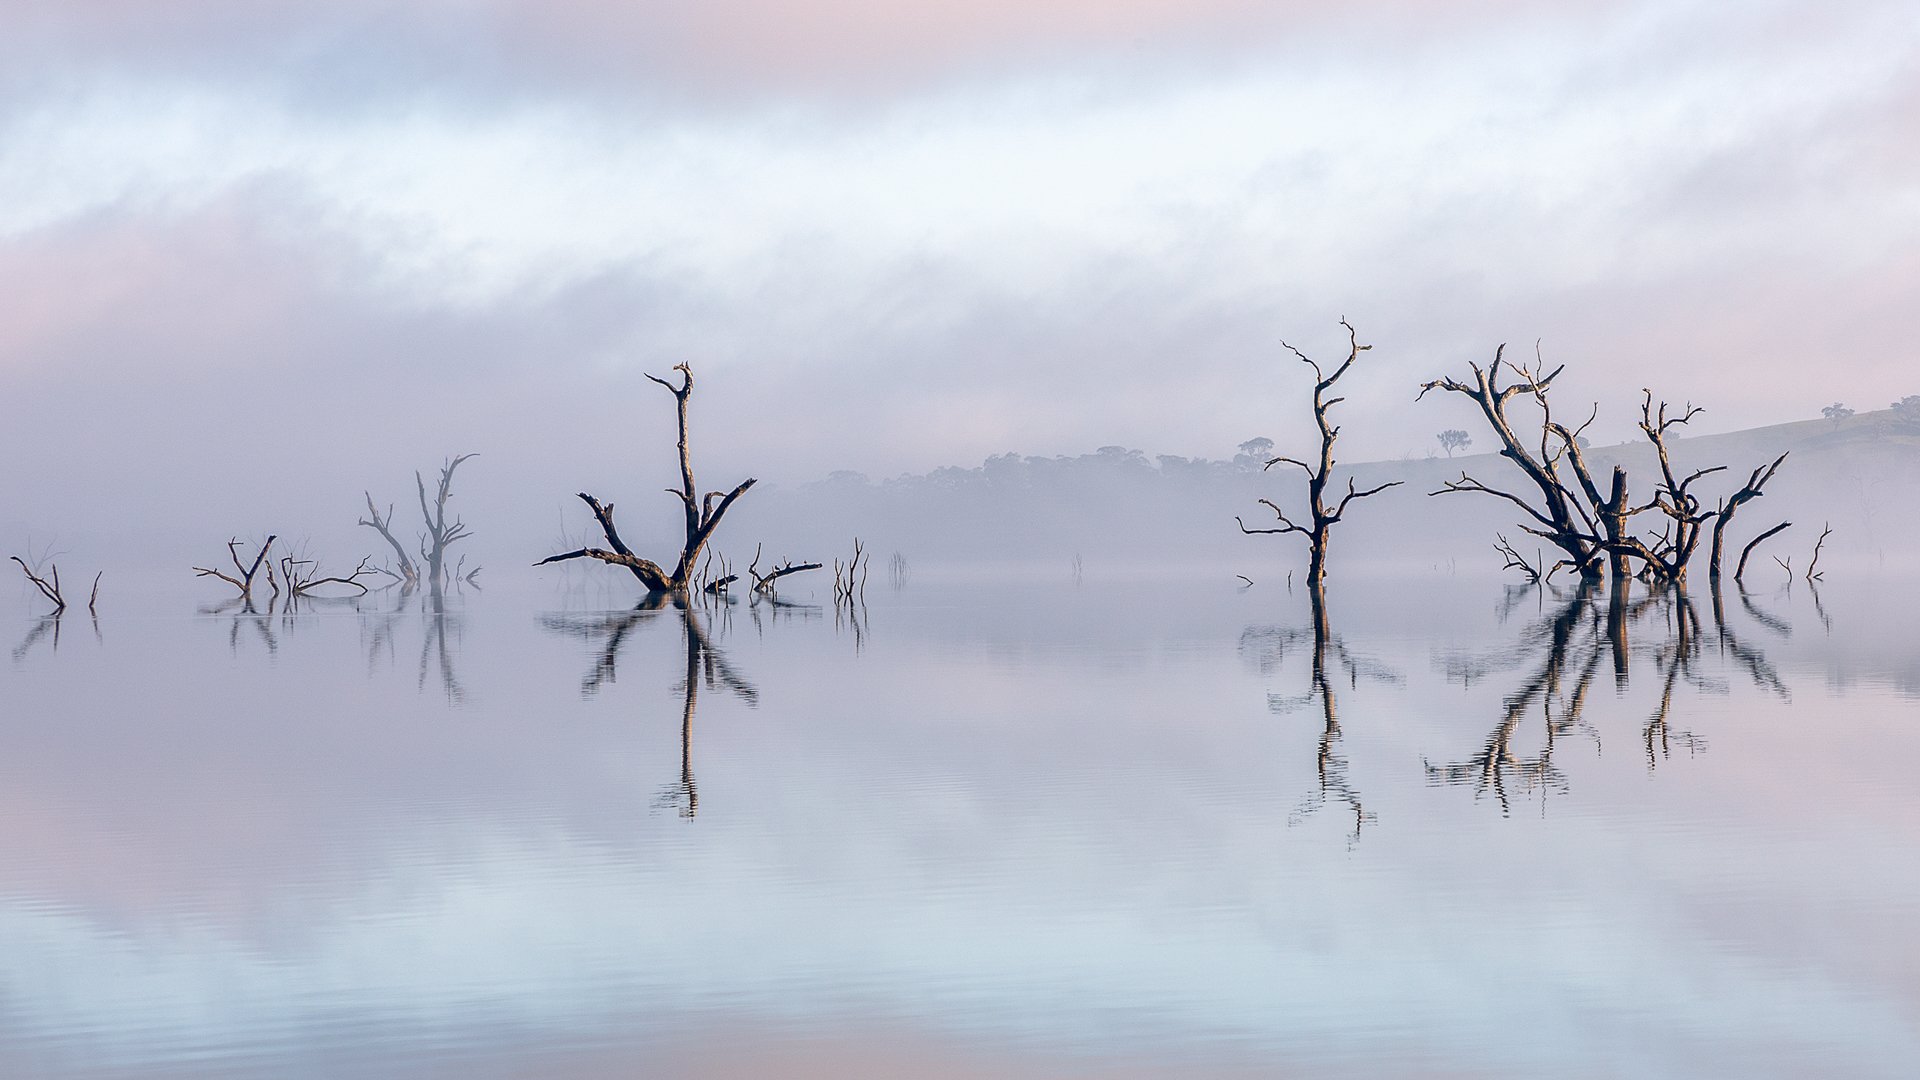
(1561, 653)
(704, 663)
(1331, 664)
(1572, 641)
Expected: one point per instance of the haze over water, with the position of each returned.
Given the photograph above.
(967, 828)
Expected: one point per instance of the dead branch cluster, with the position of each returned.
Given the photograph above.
(436, 538)
(49, 586)
(298, 577)
(701, 515)
(1561, 499)
(850, 577)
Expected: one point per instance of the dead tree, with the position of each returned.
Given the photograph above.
(1325, 514)
(242, 578)
(763, 584)
(702, 515)
(440, 534)
(1561, 518)
(1814, 575)
(303, 576)
(1748, 492)
(1590, 528)
(1740, 571)
(406, 571)
(850, 577)
(50, 586)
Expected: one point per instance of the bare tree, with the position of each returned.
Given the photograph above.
(1325, 513)
(1592, 529)
(1740, 571)
(763, 584)
(404, 569)
(49, 586)
(243, 575)
(702, 515)
(304, 578)
(1561, 517)
(440, 534)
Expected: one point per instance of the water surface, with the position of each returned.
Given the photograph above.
(964, 829)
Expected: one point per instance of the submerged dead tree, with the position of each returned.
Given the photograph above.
(702, 515)
(243, 575)
(1594, 531)
(1324, 512)
(439, 535)
(1560, 517)
(49, 586)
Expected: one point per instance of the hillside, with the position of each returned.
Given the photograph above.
(1119, 508)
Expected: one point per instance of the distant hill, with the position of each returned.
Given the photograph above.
(1119, 507)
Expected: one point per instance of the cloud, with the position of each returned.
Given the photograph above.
(681, 48)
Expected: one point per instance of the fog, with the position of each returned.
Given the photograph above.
(254, 263)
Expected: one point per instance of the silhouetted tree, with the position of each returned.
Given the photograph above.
(1454, 439)
(702, 515)
(1836, 412)
(1324, 513)
(1590, 528)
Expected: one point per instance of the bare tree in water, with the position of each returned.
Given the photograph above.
(1595, 532)
(439, 535)
(702, 515)
(1324, 510)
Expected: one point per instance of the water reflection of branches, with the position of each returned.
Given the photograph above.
(1574, 648)
(1562, 653)
(704, 662)
(1267, 647)
(48, 627)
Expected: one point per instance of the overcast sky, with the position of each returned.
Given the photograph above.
(253, 250)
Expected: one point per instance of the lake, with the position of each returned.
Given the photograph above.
(1011, 826)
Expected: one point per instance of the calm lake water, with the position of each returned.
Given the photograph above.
(1022, 829)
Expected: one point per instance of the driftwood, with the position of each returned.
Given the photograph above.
(702, 515)
(1325, 513)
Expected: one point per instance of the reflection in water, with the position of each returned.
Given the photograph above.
(1569, 635)
(1268, 647)
(47, 626)
(1000, 830)
(703, 659)
(383, 614)
(1561, 653)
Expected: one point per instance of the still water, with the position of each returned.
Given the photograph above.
(964, 829)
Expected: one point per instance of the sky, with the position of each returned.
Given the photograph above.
(256, 257)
